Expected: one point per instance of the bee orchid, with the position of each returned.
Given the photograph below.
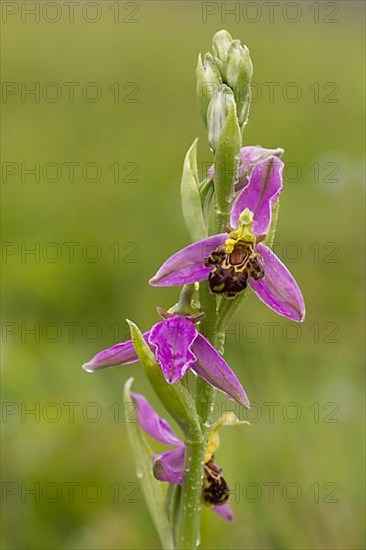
(169, 466)
(178, 347)
(239, 258)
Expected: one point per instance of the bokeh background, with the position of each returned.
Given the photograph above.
(296, 472)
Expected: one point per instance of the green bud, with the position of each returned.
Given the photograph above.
(236, 68)
(174, 397)
(190, 195)
(238, 61)
(208, 82)
(220, 105)
(239, 72)
(226, 163)
(221, 43)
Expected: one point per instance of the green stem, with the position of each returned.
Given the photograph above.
(226, 310)
(191, 503)
(221, 221)
(205, 392)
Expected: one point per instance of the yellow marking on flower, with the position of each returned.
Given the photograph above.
(230, 419)
(212, 444)
(243, 232)
(227, 419)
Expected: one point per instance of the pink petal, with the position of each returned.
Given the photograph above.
(170, 466)
(278, 288)
(120, 354)
(252, 154)
(264, 186)
(213, 368)
(187, 265)
(249, 156)
(173, 339)
(225, 511)
(152, 423)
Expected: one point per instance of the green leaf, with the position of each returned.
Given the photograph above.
(207, 192)
(191, 200)
(172, 505)
(154, 491)
(174, 397)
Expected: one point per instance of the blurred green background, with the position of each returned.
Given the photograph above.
(311, 378)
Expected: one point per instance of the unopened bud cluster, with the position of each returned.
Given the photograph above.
(222, 77)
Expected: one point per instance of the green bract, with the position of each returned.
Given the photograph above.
(191, 200)
(154, 492)
(227, 161)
